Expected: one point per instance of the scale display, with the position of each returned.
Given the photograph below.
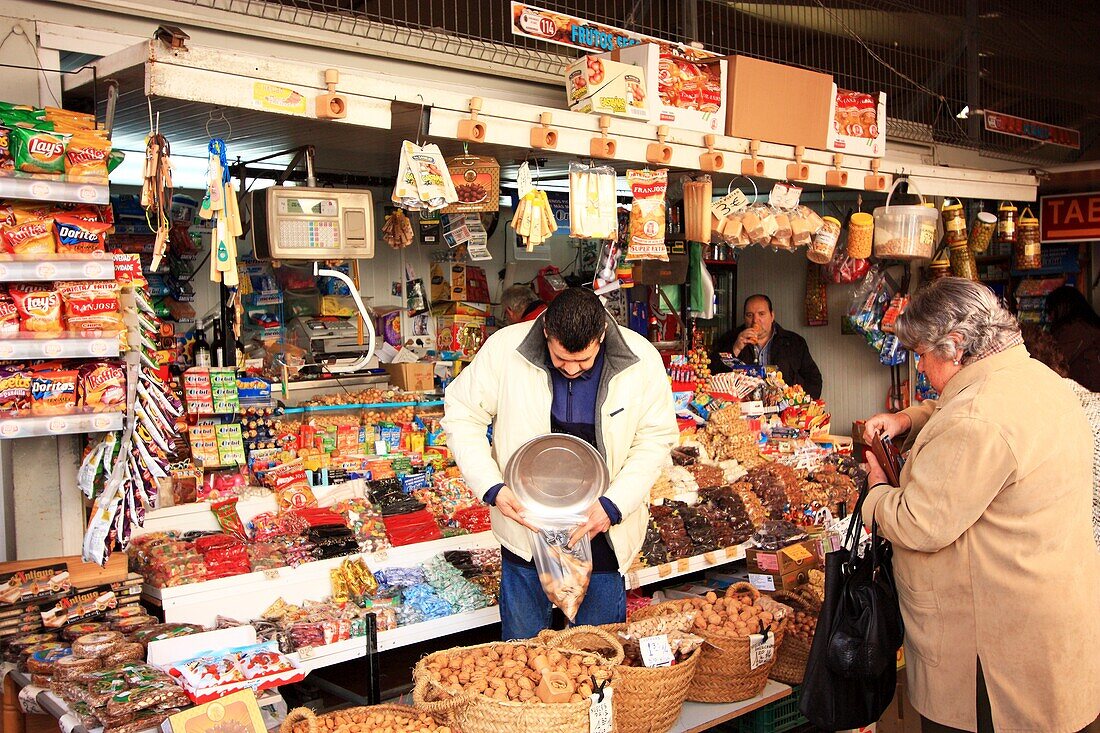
(312, 224)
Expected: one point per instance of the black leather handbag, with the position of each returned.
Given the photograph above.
(851, 673)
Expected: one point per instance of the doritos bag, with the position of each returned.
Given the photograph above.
(75, 234)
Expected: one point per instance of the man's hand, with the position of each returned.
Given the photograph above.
(597, 522)
(875, 474)
(890, 424)
(510, 507)
(746, 337)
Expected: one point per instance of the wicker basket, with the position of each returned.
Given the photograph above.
(304, 720)
(472, 712)
(792, 655)
(724, 673)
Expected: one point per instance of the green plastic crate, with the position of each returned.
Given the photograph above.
(777, 717)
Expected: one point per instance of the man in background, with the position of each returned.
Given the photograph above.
(520, 305)
(763, 341)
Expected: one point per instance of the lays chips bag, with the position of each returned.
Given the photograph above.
(36, 151)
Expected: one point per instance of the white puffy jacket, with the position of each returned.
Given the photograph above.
(508, 385)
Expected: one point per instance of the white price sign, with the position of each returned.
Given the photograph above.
(28, 700)
(656, 651)
(732, 203)
(599, 715)
(761, 649)
(271, 574)
(524, 183)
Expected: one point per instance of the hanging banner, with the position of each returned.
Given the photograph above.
(1074, 218)
(541, 24)
(1031, 130)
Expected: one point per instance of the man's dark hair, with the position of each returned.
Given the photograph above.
(575, 319)
(759, 295)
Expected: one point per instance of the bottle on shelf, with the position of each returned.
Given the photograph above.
(200, 351)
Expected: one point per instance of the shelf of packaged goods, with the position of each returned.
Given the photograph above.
(453, 624)
(364, 406)
(250, 594)
(37, 426)
(676, 568)
(700, 716)
(37, 187)
(24, 268)
(59, 346)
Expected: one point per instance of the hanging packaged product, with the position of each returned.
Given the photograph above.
(397, 230)
(600, 86)
(476, 181)
(760, 224)
(423, 180)
(534, 219)
(981, 233)
(647, 215)
(824, 244)
(87, 154)
(592, 202)
(697, 209)
(1006, 223)
(1027, 252)
(954, 224)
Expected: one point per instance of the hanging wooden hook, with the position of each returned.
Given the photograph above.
(603, 146)
(836, 177)
(798, 171)
(659, 153)
(753, 166)
(544, 137)
(712, 160)
(331, 105)
(875, 181)
(472, 130)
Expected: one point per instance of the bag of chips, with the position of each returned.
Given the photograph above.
(39, 308)
(67, 121)
(32, 236)
(53, 392)
(15, 389)
(9, 318)
(38, 151)
(86, 155)
(102, 385)
(75, 233)
(647, 215)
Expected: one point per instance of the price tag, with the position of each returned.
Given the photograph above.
(785, 196)
(761, 649)
(656, 651)
(68, 722)
(599, 715)
(732, 203)
(28, 700)
(306, 652)
(524, 184)
(271, 574)
(798, 553)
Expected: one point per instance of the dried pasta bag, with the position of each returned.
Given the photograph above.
(39, 309)
(53, 392)
(564, 572)
(647, 215)
(75, 233)
(31, 236)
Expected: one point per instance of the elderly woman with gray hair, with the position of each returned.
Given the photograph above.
(997, 574)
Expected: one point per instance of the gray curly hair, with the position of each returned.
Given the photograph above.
(955, 308)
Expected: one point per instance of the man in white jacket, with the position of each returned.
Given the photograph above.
(575, 371)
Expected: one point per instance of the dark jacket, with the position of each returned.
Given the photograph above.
(789, 354)
(1079, 342)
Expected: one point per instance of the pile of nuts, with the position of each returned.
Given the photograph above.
(731, 615)
(802, 626)
(368, 720)
(727, 435)
(512, 671)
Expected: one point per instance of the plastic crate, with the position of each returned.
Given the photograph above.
(778, 717)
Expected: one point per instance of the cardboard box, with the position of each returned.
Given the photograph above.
(477, 181)
(452, 281)
(460, 335)
(412, 377)
(858, 123)
(688, 93)
(598, 85)
(777, 103)
(771, 582)
(237, 712)
(790, 559)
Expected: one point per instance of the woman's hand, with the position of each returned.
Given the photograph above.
(875, 474)
(890, 424)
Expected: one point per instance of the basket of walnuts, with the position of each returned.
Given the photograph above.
(742, 631)
(646, 699)
(505, 687)
(392, 718)
(794, 652)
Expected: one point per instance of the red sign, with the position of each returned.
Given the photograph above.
(1032, 130)
(1074, 218)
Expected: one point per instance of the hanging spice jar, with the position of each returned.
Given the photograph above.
(1027, 252)
(981, 233)
(954, 223)
(1006, 223)
(824, 243)
(963, 263)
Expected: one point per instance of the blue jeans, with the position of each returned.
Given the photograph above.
(525, 610)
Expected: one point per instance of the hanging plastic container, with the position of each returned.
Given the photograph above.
(938, 268)
(1027, 252)
(861, 231)
(981, 233)
(963, 263)
(1006, 223)
(824, 244)
(905, 232)
(954, 223)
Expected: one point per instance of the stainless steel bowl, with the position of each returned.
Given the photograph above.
(556, 474)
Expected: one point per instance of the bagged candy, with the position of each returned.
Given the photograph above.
(77, 234)
(39, 309)
(86, 155)
(37, 151)
(29, 236)
(647, 215)
(53, 392)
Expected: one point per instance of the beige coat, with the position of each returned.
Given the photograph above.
(993, 550)
(508, 386)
